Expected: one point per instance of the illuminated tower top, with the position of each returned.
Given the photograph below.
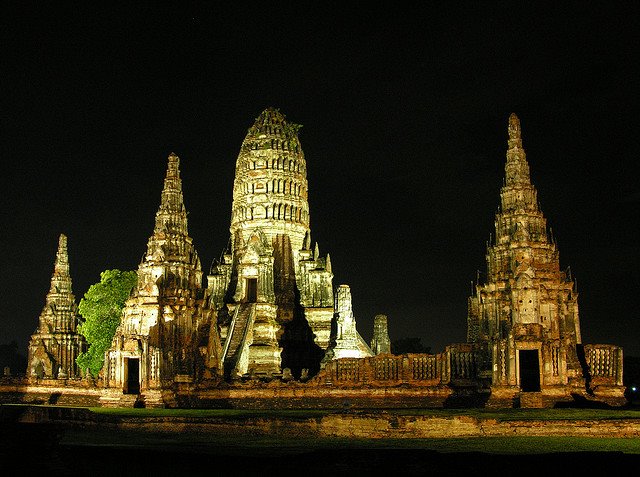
(171, 258)
(61, 280)
(270, 186)
(520, 218)
(524, 282)
(60, 311)
(171, 216)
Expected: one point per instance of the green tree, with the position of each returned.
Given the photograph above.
(101, 308)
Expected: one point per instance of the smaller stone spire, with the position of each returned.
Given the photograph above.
(344, 307)
(170, 247)
(61, 280)
(380, 342)
(55, 344)
(347, 342)
(172, 216)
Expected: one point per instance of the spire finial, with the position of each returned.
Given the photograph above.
(515, 133)
(62, 257)
(514, 127)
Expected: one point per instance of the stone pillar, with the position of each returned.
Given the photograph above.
(380, 342)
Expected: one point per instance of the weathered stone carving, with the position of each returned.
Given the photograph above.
(56, 344)
(275, 289)
(380, 343)
(270, 318)
(346, 342)
(168, 331)
(526, 314)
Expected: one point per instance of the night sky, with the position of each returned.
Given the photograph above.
(404, 113)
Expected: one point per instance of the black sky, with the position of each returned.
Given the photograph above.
(404, 113)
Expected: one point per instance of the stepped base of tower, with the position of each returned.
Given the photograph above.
(501, 397)
(610, 395)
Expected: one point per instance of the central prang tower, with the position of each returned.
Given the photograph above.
(273, 290)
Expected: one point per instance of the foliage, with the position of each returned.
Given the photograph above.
(409, 345)
(101, 308)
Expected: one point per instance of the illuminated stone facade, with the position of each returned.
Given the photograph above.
(273, 289)
(525, 317)
(56, 344)
(268, 330)
(164, 333)
(346, 342)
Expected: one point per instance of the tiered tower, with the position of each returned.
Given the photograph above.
(346, 341)
(158, 339)
(56, 344)
(273, 289)
(526, 314)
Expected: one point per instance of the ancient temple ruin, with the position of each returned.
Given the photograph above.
(269, 330)
(56, 344)
(268, 307)
(524, 319)
(163, 335)
(272, 289)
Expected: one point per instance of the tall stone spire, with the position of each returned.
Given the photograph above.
(56, 344)
(60, 291)
(520, 217)
(517, 193)
(517, 168)
(157, 339)
(60, 313)
(527, 303)
(170, 246)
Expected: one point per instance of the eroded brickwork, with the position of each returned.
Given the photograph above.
(56, 344)
(525, 316)
(164, 332)
(273, 288)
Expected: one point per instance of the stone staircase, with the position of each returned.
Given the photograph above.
(239, 326)
(117, 399)
(153, 399)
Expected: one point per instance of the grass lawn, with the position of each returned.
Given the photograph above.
(229, 445)
(500, 414)
(115, 450)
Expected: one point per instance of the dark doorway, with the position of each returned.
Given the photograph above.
(252, 290)
(529, 370)
(132, 367)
